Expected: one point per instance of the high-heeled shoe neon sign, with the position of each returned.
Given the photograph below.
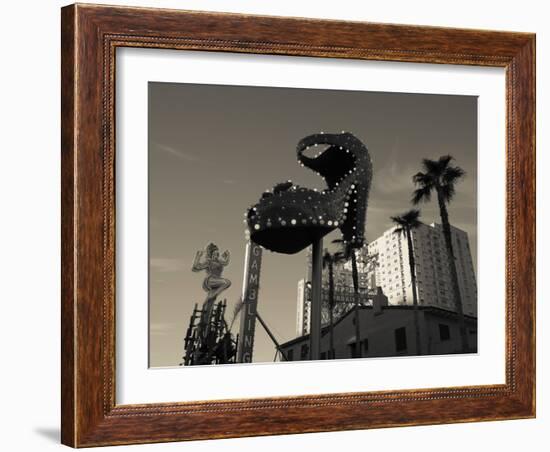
(290, 218)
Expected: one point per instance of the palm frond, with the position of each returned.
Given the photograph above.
(431, 166)
(421, 179)
(444, 161)
(422, 194)
(398, 220)
(411, 217)
(452, 174)
(436, 168)
(448, 192)
(408, 220)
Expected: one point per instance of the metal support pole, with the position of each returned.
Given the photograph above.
(315, 317)
(270, 334)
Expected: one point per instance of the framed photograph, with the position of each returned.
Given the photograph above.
(282, 225)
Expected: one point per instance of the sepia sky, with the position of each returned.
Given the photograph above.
(214, 149)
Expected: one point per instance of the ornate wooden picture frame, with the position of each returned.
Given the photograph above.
(90, 37)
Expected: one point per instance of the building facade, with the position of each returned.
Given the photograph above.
(343, 292)
(389, 331)
(385, 263)
(434, 283)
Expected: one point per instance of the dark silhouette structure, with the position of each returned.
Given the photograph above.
(208, 339)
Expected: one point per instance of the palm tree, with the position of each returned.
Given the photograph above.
(329, 260)
(349, 252)
(440, 176)
(405, 224)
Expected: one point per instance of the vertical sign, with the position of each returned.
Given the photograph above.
(251, 285)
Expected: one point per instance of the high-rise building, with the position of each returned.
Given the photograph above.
(434, 283)
(343, 292)
(391, 271)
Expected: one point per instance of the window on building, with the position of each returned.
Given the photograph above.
(444, 332)
(304, 351)
(352, 350)
(400, 339)
(290, 355)
(365, 346)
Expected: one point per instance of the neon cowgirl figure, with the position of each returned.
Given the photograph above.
(213, 263)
